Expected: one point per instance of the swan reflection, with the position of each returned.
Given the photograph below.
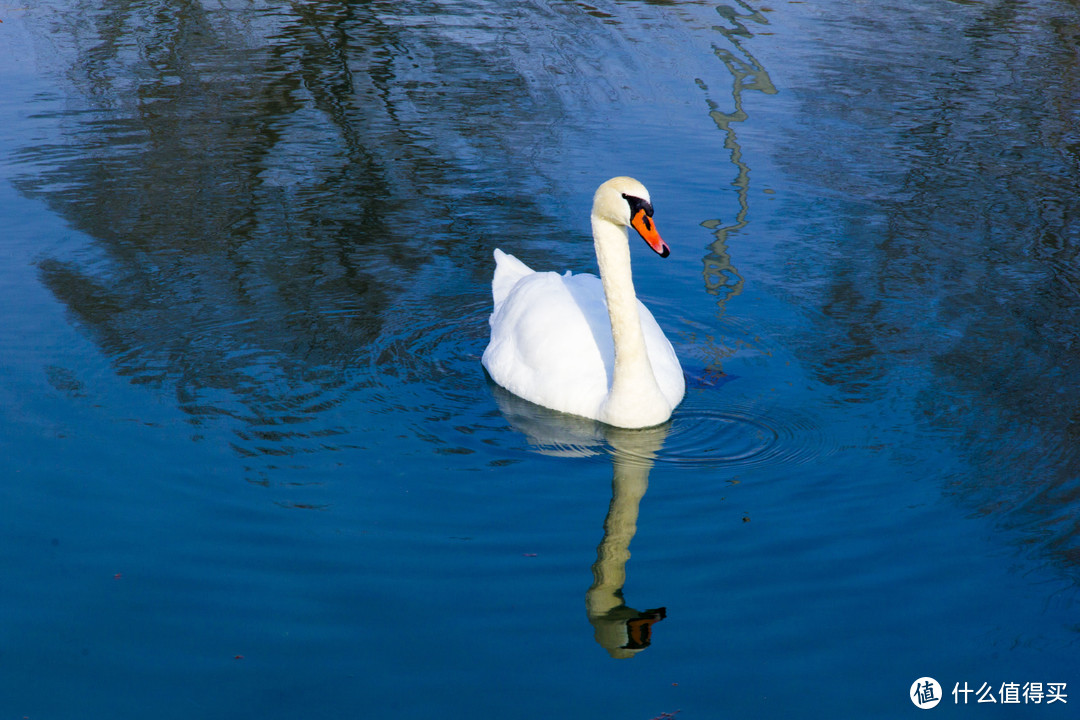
(619, 628)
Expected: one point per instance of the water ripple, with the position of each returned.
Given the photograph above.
(740, 437)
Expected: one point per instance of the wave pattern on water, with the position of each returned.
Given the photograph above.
(944, 221)
(741, 438)
(289, 210)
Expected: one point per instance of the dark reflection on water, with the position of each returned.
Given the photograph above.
(950, 154)
(270, 190)
(292, 205)
(722, 278)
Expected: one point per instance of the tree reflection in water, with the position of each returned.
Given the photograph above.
(272, 192)
(941, 206)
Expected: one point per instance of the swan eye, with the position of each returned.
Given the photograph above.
(637, 205)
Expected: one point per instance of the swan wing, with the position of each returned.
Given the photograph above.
(665, 363)
(551, 342)
(508, 270)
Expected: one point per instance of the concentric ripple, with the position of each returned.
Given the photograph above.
(736, 437)
(709, 437)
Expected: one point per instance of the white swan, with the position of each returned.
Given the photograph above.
(581, 344)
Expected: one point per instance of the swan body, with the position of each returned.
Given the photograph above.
(582, 344)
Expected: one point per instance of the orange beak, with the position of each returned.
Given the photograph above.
(645, 227)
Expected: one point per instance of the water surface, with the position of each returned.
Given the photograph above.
(252, 465)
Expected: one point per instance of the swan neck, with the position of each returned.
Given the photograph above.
(613, 257)
(633, 375)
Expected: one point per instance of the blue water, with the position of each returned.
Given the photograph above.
(252, 466)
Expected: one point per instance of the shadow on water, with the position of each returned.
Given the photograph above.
(950, 157)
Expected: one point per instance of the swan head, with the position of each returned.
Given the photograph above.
(625, 202)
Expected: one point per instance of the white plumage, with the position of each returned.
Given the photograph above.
(582, 344)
